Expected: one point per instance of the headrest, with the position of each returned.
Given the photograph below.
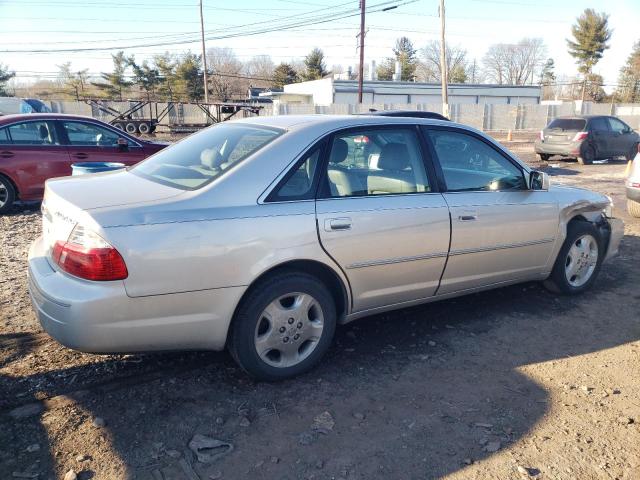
(394, 156)
(211, 158)
(339, 151)
(44, 132)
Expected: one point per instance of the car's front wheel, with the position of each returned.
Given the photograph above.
(283, 327)
(633, 208)
(579, 260)
(7, 195)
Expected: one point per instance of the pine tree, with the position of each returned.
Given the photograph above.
(116, 81)
(628, 90)
(5, 76)
(315, 66)
(284, 74)
(406, 55)
(547, 75)
(591, 35)
(189, 76)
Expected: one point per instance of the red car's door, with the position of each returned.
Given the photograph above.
(31, 152)
(90, 142)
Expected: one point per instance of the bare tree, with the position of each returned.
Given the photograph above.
(429, 67)
(261, 68)
(226, 80)
(514, 64)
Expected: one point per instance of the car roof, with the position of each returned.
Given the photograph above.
(407, 113)
(295, 122)
(5, 119)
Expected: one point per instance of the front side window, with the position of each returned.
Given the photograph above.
(616, 125)
(31, 133)
(201, 158)
(88, 134)
(469, 164)
(376, 162)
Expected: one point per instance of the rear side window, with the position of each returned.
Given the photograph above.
(201, 158)
(32, 133)
(469, 164)
(599, 125)
(577, 124)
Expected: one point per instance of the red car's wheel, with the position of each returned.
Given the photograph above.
(7, 194)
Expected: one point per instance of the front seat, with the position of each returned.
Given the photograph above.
(394, 174)
(342, 182)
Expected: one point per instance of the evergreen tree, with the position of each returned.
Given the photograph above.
(189, 76)
(73, 83)
(315, 67)
(116, 81)
(284, 74)
(166, 66)
(591, 35)
(5, 76)
(406, 55)
(548, 75)
(145, 76)
(628, 90)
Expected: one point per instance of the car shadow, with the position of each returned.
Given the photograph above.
(417, 393)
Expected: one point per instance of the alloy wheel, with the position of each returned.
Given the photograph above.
(581, 260)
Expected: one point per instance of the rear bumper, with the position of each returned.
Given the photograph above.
(615, 237)
(99, 317)
(569, 148)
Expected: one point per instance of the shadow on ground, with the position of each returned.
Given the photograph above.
(414, 394)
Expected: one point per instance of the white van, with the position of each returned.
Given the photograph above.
(11, 105)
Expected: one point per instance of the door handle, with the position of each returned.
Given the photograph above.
(80, 156)
(467, 218)
(6, 154)
(337, 224)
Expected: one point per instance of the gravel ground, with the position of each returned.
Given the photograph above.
(509, 384)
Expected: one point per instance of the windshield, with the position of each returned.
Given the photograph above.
(201, 158)
(568, 124)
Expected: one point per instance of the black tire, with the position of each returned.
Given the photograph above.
(557, 281)
(544, 157)
(633, 208)
(631, 154)
(119, 126)
(7, 195)
(131, 128)
(587, 155)
(244, 328)
(144, 128)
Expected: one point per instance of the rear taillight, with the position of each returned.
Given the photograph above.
(580, 136)
(87, 255)
(542, 135)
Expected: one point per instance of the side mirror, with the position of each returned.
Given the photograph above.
(538, 180)
(123, 144)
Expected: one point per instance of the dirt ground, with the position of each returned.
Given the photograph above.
(509, 384)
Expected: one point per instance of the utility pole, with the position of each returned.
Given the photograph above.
(204, 57)
(361, 69)
(443, 64)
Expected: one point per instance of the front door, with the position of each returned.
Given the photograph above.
(500, 230)
(88, 142)
(379, 218)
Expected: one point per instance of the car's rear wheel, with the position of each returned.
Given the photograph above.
(283, 327)
(579, 260)
(633, 208)
(544, 157)
(587, 155)
(7, 195)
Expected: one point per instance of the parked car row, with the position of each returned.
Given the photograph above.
(260, 235)
(36, 147)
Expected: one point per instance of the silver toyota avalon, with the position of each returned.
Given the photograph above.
(262, 234)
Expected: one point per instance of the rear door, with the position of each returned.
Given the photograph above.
(380, 217)
(601, 135)
(500, 230)
(30, 153)
(89, 142)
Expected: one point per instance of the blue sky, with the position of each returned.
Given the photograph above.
(471, 24)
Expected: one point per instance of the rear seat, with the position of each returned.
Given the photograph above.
(395, 175)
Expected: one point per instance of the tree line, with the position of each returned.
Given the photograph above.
(178, 77)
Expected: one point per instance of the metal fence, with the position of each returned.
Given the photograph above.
(482, 117)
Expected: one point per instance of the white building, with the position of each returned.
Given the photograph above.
(328, 92)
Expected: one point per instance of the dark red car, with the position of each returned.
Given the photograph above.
(35, 147)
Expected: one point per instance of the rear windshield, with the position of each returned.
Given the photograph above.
(568, 124)
(201, 158)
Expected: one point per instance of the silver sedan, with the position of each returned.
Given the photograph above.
(262, 234)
